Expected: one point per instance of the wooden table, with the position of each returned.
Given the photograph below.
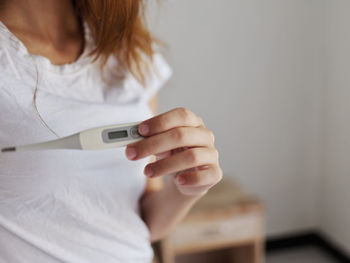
(226, 219)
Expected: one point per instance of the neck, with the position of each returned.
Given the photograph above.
(49, 28)
(48, 18)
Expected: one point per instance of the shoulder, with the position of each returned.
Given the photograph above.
(11, 55)
(13, 69)
(159, 73)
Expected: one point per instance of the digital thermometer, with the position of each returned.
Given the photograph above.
(104, 137)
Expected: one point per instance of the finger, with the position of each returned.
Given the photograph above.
(178, 117)
(172, 139)
(194, 190)
(163, 155)
(208, 176)
(190, 158)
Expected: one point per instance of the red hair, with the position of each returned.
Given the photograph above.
(119, 29)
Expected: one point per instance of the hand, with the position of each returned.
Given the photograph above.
(184, 148)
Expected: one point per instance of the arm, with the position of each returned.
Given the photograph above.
(165, 198)
(164, 205)
(163, 209)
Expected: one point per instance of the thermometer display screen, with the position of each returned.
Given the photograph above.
(117, 134)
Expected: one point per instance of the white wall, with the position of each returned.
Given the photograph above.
(253, 70)
(336, 186)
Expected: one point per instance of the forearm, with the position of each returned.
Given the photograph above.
(184, 146)
(164, 209)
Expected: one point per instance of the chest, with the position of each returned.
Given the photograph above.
(65, 105)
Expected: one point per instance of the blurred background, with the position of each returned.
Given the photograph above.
(271, 78)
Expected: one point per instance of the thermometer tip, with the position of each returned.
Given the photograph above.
(9, 149)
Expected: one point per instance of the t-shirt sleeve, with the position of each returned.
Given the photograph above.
(160, 73)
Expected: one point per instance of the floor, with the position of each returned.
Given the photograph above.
(300, 255)
(296, 255)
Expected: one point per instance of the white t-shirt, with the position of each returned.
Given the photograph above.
(69, 205)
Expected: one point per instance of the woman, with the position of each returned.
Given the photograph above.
(66, 66)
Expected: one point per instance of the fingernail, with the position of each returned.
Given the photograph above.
(143, 129)
(148, 171)
(131, 153)
(182, 180)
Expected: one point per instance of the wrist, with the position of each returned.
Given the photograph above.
(172, 186)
